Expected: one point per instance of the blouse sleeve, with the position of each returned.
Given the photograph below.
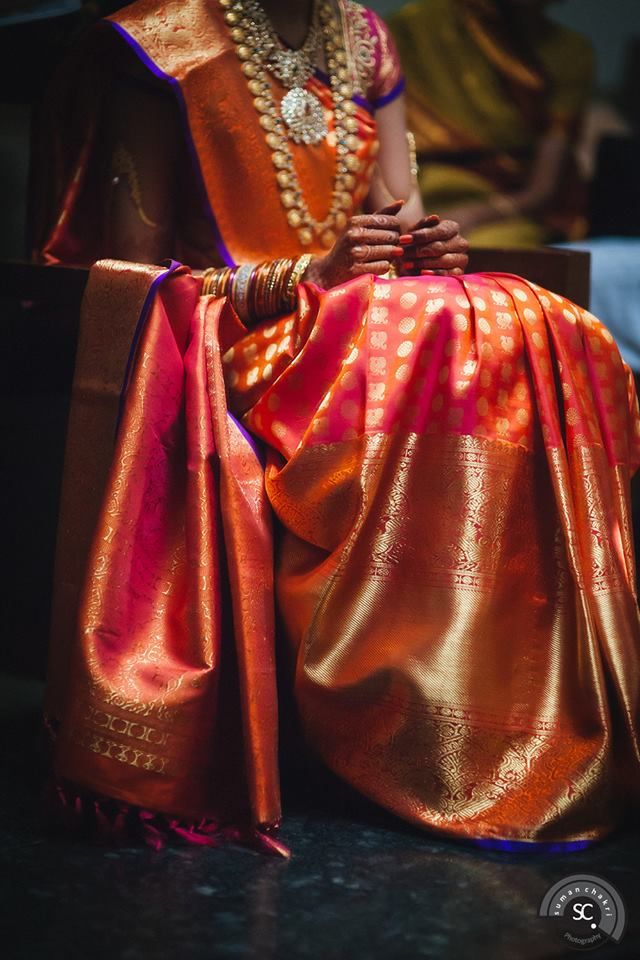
(375, 56)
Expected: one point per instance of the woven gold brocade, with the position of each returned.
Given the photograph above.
(167, 690)
(456, 576)
(441, 668)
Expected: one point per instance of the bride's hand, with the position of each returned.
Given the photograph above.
(434, 246)
(370, 244)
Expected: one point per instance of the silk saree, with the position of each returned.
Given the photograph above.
(446, 464)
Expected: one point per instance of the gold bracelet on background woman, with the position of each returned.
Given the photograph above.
(503, 204)
(258, 291)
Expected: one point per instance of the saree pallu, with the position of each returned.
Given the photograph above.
(448, 461)
(165, 690)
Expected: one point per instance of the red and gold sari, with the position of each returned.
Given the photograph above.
(447, 461)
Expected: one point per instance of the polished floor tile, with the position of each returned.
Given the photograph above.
(359, 885)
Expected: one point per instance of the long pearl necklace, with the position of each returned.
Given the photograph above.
(240, 17)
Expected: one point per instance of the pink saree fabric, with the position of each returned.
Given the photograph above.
(448, 461)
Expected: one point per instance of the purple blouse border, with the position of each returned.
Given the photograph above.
(369, 105)
(388, 97)
(177, 91)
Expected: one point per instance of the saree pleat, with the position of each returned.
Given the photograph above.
(450, 465)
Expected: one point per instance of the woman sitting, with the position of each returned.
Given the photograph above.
(446, 458)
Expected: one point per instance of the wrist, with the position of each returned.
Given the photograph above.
(504, 205)
(315, 271)
(258, 291)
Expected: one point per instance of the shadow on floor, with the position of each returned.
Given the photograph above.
(359, 885)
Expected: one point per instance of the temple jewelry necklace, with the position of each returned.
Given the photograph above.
(239, 16)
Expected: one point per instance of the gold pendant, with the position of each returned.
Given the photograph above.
(303, 114)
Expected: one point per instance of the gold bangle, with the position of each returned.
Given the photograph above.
(257, 293)
(298, 271)
(284, 275)
(207, 278)
(215, 281)
(272, 288)
(239, 296)
(225, 283)
(504, 205)
(413, 160)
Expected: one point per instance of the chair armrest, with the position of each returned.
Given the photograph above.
(566, 272)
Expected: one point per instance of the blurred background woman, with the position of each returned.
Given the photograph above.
(495, 96)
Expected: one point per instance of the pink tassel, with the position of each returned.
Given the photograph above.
(270, 845)
(116, 822)
(192, 835)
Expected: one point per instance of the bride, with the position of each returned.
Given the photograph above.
(441, 460)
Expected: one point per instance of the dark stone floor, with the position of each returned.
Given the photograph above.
(360, 885)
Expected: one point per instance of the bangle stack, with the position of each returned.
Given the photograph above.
(258, 291)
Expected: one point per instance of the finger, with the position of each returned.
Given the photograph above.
(376, 221)
(379, 267)
(439, 247)
(447, 262)
(393, 208)
(431, 220)
(445, 230)
(362, 235)
(455, 272)
(370, 252)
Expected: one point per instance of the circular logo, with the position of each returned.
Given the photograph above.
(588, 911)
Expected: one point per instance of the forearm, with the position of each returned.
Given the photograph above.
(535, 197)
(395, 175)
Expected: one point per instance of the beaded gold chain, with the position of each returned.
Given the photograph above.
(347, 143)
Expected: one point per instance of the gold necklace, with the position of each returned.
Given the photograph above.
(242, 31)
(301, 110)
